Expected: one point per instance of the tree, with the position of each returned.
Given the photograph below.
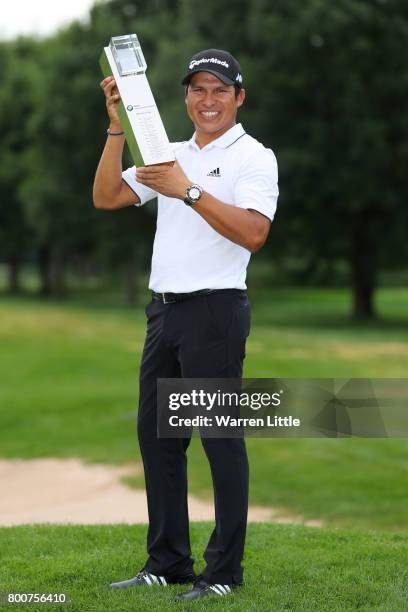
(331, 82)
(17, 66)
(67, 132)
(326, 89)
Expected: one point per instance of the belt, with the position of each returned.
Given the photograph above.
(171, 298)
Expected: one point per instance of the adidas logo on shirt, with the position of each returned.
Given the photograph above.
(215, 172)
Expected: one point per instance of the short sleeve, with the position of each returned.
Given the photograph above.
(144, 193)
(257, 183)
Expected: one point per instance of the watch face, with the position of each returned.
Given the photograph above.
(194, 193)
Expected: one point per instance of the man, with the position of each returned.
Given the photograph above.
(215, 207)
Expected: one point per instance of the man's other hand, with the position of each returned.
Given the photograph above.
(167, 180)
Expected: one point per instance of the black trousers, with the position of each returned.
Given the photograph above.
(203, 337)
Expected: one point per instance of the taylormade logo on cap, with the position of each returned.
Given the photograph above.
(207, 60)
(218, 62)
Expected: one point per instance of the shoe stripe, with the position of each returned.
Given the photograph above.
(154, 579)
(148, 579)
(221, 588)
(227, 588)
(214, 588)
(163, 580)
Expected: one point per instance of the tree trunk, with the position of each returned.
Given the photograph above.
(363, 301)
(44, 264)
(132, 265)
(58, 265)
(52, 272)
(363, 263)
(13, 275)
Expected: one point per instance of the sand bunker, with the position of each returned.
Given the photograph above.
(70, 491)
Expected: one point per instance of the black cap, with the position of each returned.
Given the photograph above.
(220, 63)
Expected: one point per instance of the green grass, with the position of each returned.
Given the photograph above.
(69, 387)
(286, 568)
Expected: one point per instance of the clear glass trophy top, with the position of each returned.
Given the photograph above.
(128, 54)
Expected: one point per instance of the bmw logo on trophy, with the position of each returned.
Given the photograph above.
(138, 113)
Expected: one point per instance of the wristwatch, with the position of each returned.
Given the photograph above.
(193, 194)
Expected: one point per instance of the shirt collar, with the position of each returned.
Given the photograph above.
(223, 141)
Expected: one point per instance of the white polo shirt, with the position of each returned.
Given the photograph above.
(188, 254)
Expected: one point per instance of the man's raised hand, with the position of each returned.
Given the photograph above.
(112, 96)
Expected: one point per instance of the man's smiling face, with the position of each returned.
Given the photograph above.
(212, 106)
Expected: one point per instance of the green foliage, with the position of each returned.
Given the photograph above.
(19, 70)
(326, 89)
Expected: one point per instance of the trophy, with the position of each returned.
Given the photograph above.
(137, 110)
